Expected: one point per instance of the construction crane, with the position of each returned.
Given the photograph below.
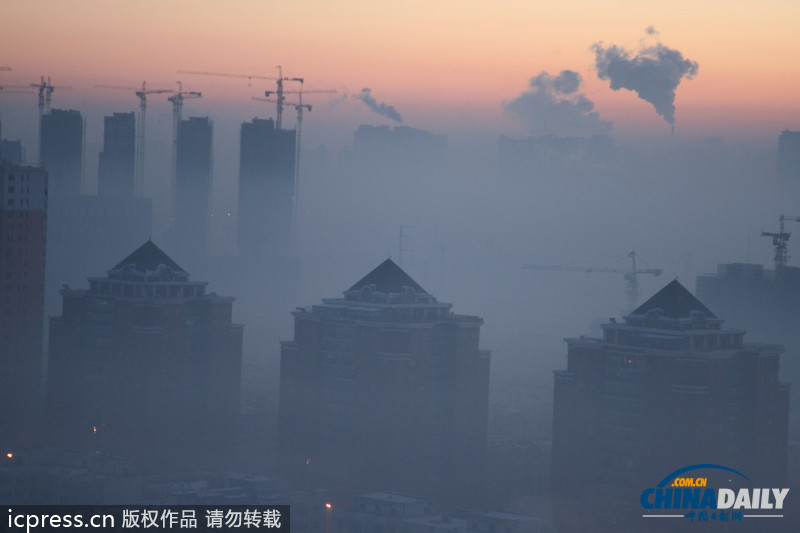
(45, 89)
(280, 101)
(630, 275)
(15, 89)
(779, 241)
(141, 93)
(299, 107)
(177, 111)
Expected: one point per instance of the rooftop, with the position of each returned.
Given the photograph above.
(147, 258)
(675, 301)
(388, 278)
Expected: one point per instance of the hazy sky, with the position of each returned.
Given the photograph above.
(432, 60)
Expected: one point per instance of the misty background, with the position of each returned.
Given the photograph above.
(684, 203)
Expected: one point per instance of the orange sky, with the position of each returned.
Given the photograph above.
(415, 54)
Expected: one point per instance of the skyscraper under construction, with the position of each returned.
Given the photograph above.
(192, 194)
(266, 188)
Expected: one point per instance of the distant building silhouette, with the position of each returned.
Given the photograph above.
(61, 152)
(551, 153)
(11, 151)
(665, 389)
(192, 195)
(23, 223)
(146, 365)
(266, 188)
(116, 166)
(398, 150)
(385, 389)
(789, 154)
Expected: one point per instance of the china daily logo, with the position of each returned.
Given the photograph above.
(683, 495)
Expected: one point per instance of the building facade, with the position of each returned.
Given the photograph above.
(23, 233)
(789, 154)
(266, 188)
(61, 152)
(192, 194)
(116, 175)
(665, 389)
(385, 389)
(146, 365)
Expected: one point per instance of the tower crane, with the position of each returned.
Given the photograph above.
(299, 107)
(631, 275)
(15, 89)
(141, 93)
(280, 99)
(45, 96)
(177, 99)
(779, 241)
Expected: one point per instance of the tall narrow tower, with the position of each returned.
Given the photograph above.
(116, 171)
(193, 186)
(62, 152)
(266, 188)
(23, 222)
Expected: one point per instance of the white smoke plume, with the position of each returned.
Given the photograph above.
(552, 105)
(654, 72)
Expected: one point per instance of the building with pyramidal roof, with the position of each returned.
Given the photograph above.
(145, 364)
(666, 388)
(385, 389)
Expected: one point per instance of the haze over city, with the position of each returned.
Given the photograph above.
(686, 99)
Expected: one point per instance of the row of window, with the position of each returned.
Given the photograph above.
(22, 202)
(22, 177)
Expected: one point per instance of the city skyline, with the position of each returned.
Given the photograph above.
(447, 64)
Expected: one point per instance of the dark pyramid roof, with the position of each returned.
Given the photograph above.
(675, 301)
(146, 258)
(389, 278)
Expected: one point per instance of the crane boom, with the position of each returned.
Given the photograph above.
(779, 240)
(630, 275)
(177, 110)
(279, 81)
(45, 89)
(141, 93)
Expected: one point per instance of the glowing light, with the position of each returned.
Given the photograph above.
(94, 429)
(308, 461)
(328, 506)
(10, 455)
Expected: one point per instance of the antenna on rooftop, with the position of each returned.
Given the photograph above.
(401, 244)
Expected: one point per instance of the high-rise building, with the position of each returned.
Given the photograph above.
(61, 152)
(23, 222)
(116, 167)
(146, 365)
(385, 389)
(11, 151)
(192, 194)
(266, 188)
(789, 154)
(665, 389)
(400, 144)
